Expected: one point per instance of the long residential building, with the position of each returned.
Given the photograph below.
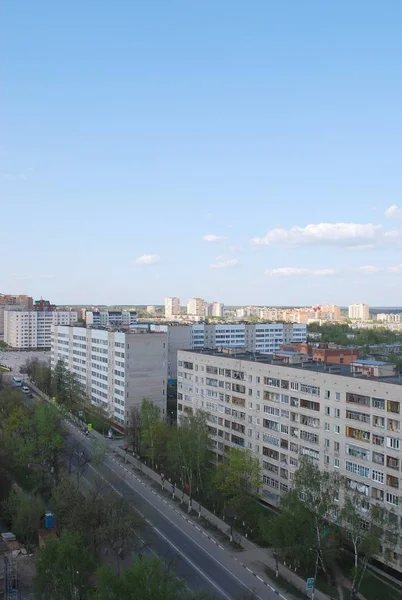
(254, 337)
(118, 370)
(113, 318)
(345, 418)
(33, 328)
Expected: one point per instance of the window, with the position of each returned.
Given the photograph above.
(378, 458)
(393, 443)
(392, 499)
(336, 446)
(392, 406)
(337, 429)
(377, 476)
(357, 469)
(327, 411)
(337, 413)
(327, 443)
(336, 463)
(337, 396)
(378, 403)
(326, 426)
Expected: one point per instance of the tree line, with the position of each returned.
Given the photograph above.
(42, 469)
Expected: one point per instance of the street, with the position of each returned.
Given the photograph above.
(193, 556)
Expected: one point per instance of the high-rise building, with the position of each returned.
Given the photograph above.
(117, 369)
(33, 328)
(196, 307)
(215, 309)
(344, 418)
(172, 308)
(359, 312)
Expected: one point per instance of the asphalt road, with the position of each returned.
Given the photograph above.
(201, 563)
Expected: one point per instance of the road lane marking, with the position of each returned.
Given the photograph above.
(189, 537)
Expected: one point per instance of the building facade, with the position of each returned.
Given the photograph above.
(346, 419)
(359, 312)
(172, 308)
(215, 309)
(254, 337)
(118, 370)
(33, 328)
(196, 307)
(111, 318)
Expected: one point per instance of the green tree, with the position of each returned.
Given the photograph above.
(63, 569)
(237, 480)
(189, 452)
(24, 512)
(302, 533)
(147, 579)
(133, 430)
(370, 529)
(150, 419)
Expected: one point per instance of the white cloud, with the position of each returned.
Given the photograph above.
(147, 259)
(294, 271)
(368, 269)
(395, 269)
(221, 262)
(235, 248)
(393, 212)
(212, 237)
(348, 234)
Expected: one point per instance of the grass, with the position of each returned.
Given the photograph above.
(373, 587)
(284, 585)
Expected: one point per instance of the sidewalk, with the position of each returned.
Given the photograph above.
(252, 557)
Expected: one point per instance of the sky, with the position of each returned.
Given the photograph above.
(248, 152)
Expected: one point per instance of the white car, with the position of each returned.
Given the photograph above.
(25, 389)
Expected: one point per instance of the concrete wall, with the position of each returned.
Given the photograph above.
(146, 369)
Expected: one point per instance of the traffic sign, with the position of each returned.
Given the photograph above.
(310, 583)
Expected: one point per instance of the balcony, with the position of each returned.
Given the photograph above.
(393, 481)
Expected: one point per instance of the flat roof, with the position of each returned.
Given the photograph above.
(372, 363)
(313, 366)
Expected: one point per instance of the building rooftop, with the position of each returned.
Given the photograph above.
(313, 366)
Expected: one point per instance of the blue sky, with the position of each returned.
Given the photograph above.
(132, 129)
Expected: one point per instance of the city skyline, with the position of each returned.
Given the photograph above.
(250, 156)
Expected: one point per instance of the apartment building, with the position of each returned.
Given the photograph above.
(117, 369)
(196, 307)
(33, 328)
(254, 337)
(172, 308)
(359, 312)
(10, 302)
(345, 418)
(215, 309)
(111, 318)
(389, 317)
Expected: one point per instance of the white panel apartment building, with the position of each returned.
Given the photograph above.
(105, 318)
(255, 337)
(360, 312)
(172, 308)
(342, 421)
(32, 328)
(117, 369)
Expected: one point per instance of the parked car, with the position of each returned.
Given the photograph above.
(25, 389)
